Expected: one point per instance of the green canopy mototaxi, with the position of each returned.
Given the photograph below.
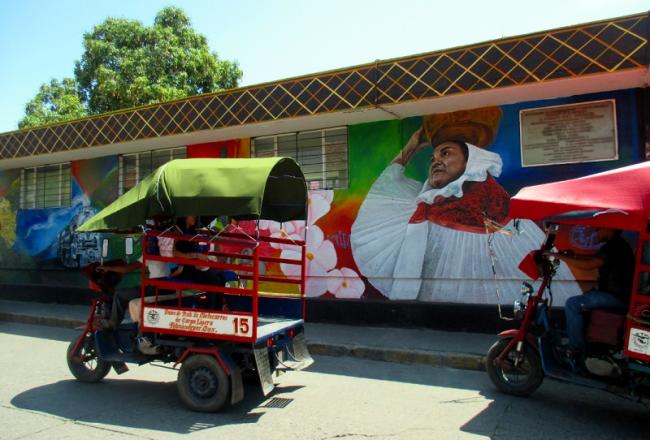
(269, 188)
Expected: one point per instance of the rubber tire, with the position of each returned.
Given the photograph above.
(194, 372)
(79, 369)
(532, 382)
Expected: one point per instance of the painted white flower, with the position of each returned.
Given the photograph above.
(345, 283)
(318, 204)
(321, 258)
(316, 281)
(294, 231)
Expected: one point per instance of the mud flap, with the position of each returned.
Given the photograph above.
(263, 368)
(301, 357)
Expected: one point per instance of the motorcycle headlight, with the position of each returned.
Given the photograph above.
(519, 307)
(526, 289)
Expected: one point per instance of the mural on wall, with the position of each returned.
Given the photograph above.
(425, 217)
(328, 275)
(97, 183)
(76, 250)
(44, 238)
(47, 234)
(432, 240)
(9, 201)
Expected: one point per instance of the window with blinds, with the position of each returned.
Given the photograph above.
(45, 187)
(136, 166)
(322, 154)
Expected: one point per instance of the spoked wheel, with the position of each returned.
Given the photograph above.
(519, 374)
(202, 384)
(84, 364)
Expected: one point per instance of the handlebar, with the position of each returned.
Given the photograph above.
(547, 264)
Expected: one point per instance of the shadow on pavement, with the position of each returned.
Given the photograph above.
(558, 410)
(123, 403)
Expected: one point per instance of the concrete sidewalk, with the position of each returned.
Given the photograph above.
(422, 346)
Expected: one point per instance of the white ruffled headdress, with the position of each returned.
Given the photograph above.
(480, 163)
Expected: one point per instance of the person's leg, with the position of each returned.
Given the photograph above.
(575, 322)
(121, 300)
(576, 306)
(210, 277)
(143, 341)
(595, 299)
(214, 278)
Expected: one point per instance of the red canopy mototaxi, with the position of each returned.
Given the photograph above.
(617, 353)
(618, 198)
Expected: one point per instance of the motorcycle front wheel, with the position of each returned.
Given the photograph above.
(84, 364)
(519, 374)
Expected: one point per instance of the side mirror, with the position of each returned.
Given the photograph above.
(128, 246)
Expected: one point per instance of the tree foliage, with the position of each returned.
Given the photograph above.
(127, 64)
(54, 102)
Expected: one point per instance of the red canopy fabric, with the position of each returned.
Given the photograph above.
(624, 189)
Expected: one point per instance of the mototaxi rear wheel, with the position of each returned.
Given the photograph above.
(202, 384)
(519, 374)
(85, 364)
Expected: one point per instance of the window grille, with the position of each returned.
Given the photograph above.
(136, 166)
(45, 187)
(322, 154)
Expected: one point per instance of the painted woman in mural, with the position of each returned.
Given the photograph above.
(428, 241)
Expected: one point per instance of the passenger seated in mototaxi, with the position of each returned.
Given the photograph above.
(197, 274)
(189, 274)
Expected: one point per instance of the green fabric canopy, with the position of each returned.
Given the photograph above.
(270, 188)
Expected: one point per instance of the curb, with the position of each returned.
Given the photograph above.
(461, 361)
(42, 320)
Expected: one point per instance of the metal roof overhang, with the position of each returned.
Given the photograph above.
(639, 77)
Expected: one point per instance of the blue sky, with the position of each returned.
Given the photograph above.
(271, 40)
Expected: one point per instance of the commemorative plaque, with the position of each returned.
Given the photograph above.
(584, 132)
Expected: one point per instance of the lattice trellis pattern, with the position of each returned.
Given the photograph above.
(602, 47)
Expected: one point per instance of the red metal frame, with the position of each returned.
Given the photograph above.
(88, 327)
(520, 335)
(211, 351)
(235, 243)
(637, 301)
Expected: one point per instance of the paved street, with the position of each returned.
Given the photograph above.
(336, 398)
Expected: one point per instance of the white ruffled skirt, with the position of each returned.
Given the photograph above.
(431, 263)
